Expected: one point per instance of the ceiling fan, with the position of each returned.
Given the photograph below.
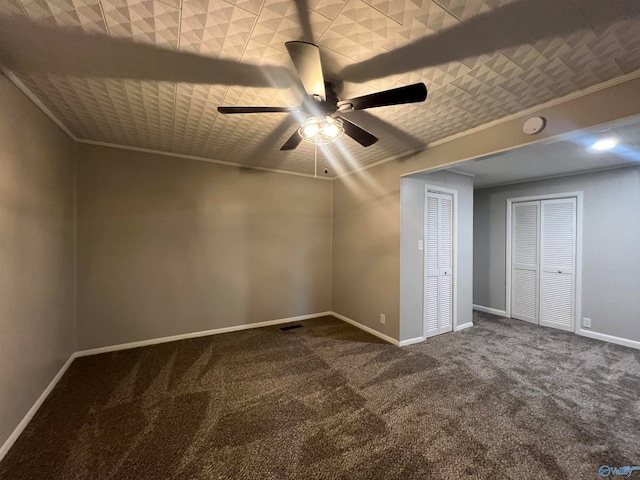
(33, 47)
(322, 106)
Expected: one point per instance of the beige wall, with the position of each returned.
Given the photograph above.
(37, 280)
(168, 246)
(366, 221)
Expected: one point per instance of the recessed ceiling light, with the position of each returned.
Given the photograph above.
(605, 144)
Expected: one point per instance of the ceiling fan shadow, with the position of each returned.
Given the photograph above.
(27, 46)
(514, 24)
(302, 7)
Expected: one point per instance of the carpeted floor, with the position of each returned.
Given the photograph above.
(504, 399)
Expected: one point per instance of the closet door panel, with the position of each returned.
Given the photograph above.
(525, 261)
(431, 268)
(558, 257)
(445, 260)
(438, 263)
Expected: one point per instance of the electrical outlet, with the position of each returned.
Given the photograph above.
(383, 318)
(586, 322)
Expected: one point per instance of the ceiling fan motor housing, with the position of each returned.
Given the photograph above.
(316, 107)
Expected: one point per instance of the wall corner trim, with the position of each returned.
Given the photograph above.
(493, 311)
(625, 342)
(464, 326)
(370, 330)
(4, 449)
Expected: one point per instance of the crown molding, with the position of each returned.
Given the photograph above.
(195, 157)
(31, 96)
(552, 103)
(524, 113)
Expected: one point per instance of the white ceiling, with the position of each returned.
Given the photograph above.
(568, 156)
(473, 55)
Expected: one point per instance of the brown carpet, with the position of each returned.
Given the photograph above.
(504, 399)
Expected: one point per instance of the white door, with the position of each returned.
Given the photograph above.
(525, 261)
(558, 263)
(438, 267)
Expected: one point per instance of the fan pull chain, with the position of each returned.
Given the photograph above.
(315, 163)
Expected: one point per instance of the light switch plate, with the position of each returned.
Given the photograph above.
(383, 318)
(420, 244)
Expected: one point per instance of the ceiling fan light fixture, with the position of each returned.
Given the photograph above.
(321, 130)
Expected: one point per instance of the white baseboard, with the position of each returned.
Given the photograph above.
(32, 411)
(204, 333)
(494, 311)
(370, 330)
(610, 338)
(411, 341)
(464, 326)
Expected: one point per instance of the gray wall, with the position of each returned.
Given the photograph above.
(366, 204)
(412, 260)
(168, 246)
(611, 246)
(37, 280)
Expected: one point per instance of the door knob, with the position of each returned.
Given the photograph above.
(559, 271)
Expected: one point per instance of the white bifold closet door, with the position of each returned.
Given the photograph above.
(438, 268)
(543, 263)
(525, 261)
(558, 263)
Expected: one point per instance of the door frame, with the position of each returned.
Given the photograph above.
(454, 222)
(578, 195)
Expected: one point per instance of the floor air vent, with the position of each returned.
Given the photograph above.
(290, 327)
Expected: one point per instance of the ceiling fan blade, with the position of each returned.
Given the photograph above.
(228, 110)
(360, 135)
(492, 31)
(396, 96)
(306, 58)
(293, 142)
(28, 46)
(377, 124)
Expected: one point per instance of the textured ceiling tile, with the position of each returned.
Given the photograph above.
(488, 74)
(396, 9)
(215, 28)
(278, 22)
(152, 104)
(147, 21)
(328, 8)
(69, 13)
(464, 9)
(526, 56)
(252, 6)
(183, 118)
(359, 31)
(429, 19)
(11, 7)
